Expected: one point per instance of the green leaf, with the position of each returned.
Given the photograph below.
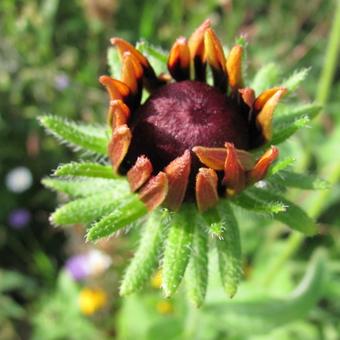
(86, 210)
(261, 316)
(146, 257)
(280, 135)
(294, 216)
(301, 181)
(287, 118)
(129, 210)
(229, 249)
(246, 201)
(114, 62)
(280, 165)
(197, 272)
(87, 137)
(294, 81)
(86, 169)
(265, 78)
(158, 58)
(178, 248)
(83, 187)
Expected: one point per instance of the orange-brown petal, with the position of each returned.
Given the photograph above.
(234, 67)
(248, 96)
(215, 57)
(261, 167)
(130, 78)
(265, 117)
(153, 193)
(196, 47)
(115, 88)
(139, 173)
(151, 81)
(234, 174)
(178, 176)
(206, 189)
(179, 60)
(215, 157)
(262, 99)
(211, 157)
(124, 46)
(119, 113)
(119, 145)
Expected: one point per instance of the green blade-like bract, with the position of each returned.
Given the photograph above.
(84, 187)
(87, 210)
(129, 210)
(146, 258)
(86, 169)
(178, 248)
(86, 137)
(197, 271)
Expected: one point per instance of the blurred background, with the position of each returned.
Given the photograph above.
(52, 284)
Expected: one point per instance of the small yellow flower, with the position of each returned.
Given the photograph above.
(156, 280)
(91, 300)
(165, 307)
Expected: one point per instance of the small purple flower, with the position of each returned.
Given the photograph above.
(19, 218)
(61, 81)
(77, 266)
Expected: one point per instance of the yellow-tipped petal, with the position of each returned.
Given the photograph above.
(213, 50)
(265, 117)
(259, 171)
(234, 67)
(179, 60)
(262, 99)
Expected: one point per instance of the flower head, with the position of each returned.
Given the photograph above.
(189, 139)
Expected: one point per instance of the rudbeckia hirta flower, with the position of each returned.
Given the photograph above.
(189, 140)
(182, 148)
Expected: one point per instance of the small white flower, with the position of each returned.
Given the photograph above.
(98, 262)
(19, 179)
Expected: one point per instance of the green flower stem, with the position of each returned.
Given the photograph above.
(331, 59)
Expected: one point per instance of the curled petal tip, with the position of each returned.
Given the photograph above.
(234, 67)
(265, 117)
(211, 157)
(178, 172)
(206, 189)
(153, 193)
(139, 173)
(119, 113)
(179, 60)
(115, 88)
(262, 99)
(261, 167)
(119, 145)
(214, 55)
(248, 96)
(234, 174)
(124, 46)
(196, 47)
(130, 77)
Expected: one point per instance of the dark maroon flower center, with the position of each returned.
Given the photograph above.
(182, 115)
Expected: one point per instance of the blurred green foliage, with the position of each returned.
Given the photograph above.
(51, 54)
